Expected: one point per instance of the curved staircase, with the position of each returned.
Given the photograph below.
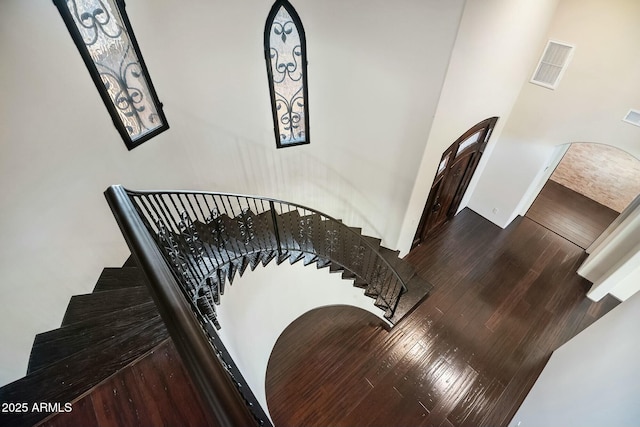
(117, 323)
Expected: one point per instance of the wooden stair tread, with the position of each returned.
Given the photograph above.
(88, 306)
(69, 377)
(48, 347)
(417, 290)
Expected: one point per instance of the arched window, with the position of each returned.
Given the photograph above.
(103, 35)
(286, 54)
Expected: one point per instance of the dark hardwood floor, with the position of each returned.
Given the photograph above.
(503, 301)
(154, 391)
(569, 214)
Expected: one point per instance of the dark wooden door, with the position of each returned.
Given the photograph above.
(455, 170)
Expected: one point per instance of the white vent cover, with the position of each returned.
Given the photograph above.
(551, 67)
(633, 117)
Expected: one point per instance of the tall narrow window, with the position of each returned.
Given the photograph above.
(286, 54)
(102, 33)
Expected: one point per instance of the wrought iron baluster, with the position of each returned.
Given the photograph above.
(149, 203)
(145, 215)
(276, 231)
(234, 218)
(284, 238)
(188, 274)
(195, 198)
(305, 231)
(259, 241)
(291, 227)
(357, 255)
(190, 236)
(212, 259)
(198, 247)
(212, 225)
(231, 212)
(174, 216)
(245, 224)
(331, 239)
(231, 215)
(220, 231)
(172, 251)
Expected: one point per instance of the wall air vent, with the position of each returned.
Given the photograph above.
(552, 65)
(633, 117)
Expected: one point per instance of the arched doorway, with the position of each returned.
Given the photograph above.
(586, 191)
(455, 170)
(612, 180)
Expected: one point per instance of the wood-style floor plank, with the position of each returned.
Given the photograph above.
(466, 356)
(570, 214)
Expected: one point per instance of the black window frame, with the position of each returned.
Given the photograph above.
(97, 80)
(305, 83)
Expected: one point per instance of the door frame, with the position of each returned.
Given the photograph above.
(486, 126)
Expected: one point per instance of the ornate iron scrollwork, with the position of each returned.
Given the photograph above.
(245, 226)
(103, 35)
(377, 277)
(217, 232)
(213, 215)
(357, 255)
(190, 235)
(331, 240)
(285, 52)
(305, 229)
(172, 250)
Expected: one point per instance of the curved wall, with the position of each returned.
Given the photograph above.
(258, 307)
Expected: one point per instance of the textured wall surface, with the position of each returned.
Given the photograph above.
(603, 173)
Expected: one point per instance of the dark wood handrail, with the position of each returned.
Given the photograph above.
(216, 388)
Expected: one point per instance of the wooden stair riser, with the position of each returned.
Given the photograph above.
(118, 278)
(48, 347)
(66, 379)
(82, 307)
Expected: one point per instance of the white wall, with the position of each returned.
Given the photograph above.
(595, 93)
(375, 71)
(613, 238)
(598, 88)
(492, 57)
(592, 380)
(613, 264)
(259, 306)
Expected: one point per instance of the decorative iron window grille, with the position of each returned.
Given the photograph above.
(285, 51)
(103, 35)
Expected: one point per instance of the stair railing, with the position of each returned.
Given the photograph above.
(217, 387)
(190, 243)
